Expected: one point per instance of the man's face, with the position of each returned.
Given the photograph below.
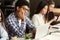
(22, 11)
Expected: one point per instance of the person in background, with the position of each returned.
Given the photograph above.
(50, 15)
(17, 21)
(51, 6)
(53, 33)
(3, 33)
(40, 21)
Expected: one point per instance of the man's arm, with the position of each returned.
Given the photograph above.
(31, 26)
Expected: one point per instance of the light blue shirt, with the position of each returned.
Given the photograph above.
(3, 33)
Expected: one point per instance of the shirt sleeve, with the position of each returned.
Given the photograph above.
(4, 35)
(30, 24)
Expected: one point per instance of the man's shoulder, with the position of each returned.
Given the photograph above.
(27, 18)
(10, 19)
(11, 15)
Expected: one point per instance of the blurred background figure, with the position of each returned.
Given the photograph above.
(39, 20)
(3, 32)
(50, 14)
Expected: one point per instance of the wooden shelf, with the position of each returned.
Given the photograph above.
(56, 11)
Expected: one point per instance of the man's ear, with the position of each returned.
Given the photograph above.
(17, 8)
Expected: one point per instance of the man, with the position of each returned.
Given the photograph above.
(16, 22)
